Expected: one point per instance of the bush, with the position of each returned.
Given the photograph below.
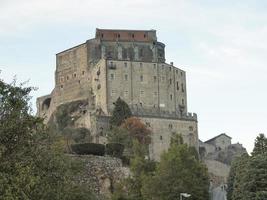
(89, 148)
(125, 161)
(114, 149)
(80, 135)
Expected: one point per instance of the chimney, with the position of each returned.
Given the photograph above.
(171, 63)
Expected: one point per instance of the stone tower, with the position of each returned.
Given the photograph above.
(129, 64)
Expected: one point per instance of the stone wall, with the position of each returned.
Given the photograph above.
(101, 173)
(164, 129)
(72, 77)
(147, 86)
(218, 171)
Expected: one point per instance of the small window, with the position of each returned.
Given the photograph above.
(74, 75)
(141, 65)
(170, 81)
(125, 64)
(61, 86)
(141, 78)
(102, 35)
(191, 128)
(142, 93)
(67, 77)
(182, 101)
(113, 92)
(170, 68)
(155, 79)
(126, 77)
(111, 76)
(119, 35)
(170, 126)
(155, 66)
(144, 35)
(171, 97)
(61, 79)
(176, 71)
(181, 73)
(160, 137)
(83, 72)
(79, 81)
(177, 85)
(182, 87)
(132, 35)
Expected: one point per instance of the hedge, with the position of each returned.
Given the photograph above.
(114, 149)
(89, 148)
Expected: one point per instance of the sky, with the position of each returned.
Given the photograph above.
(222, 45)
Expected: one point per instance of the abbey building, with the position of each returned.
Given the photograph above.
(129, 64)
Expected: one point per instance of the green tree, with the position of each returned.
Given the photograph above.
(248, 175)
(260, 146)
(120, 113)
(140, 166)
(236, 177)
(178, 171)
(32, 165)
(254, 183)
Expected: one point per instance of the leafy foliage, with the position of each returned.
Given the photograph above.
(137, 130)
(89, 148)
(132, 129)
(114, 149)
(178, 171)
(235, 180)
(120, 113)
(130, 188)
(32, 165)
(248, 175)
(260, 146)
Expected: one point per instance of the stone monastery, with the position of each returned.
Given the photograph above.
(129, 64)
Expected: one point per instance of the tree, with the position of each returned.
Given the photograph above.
(131, 129)
(255, 179)
(130, 188)
(260, 146)
(248, 175)
(178, 171)
(137, 130)
(32, 165)
(120, 113)
(236, 177)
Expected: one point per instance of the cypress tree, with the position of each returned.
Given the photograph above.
(120, 112)
(260, 145)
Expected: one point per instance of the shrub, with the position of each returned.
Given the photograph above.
(114, 149)
(125, 161)
(80, 135)
(89, 148)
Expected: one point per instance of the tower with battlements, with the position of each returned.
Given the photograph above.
(129, 64)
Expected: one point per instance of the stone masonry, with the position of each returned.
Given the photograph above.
(129, 64)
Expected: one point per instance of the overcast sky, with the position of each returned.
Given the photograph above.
(222, 45)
